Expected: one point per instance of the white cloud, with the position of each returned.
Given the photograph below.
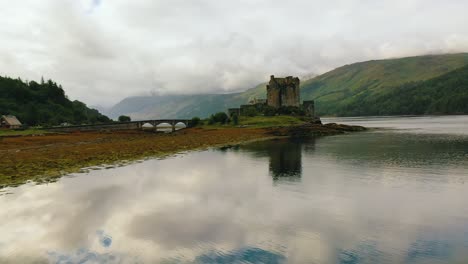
(102, 51)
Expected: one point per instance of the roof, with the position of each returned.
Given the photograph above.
(11, 120)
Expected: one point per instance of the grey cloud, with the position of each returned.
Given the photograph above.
(102, 51)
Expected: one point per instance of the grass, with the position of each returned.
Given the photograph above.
(261, 122)
(271, 121)
(27, 132)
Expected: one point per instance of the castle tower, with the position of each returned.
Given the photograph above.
(283, 92)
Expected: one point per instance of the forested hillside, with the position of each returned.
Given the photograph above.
(43, 103)
(340, 92)
(447, 94)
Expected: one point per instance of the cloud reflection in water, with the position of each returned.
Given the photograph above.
(283, 201)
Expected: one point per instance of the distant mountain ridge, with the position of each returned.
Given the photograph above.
(337, 92)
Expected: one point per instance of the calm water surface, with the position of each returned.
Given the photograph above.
(394, 195)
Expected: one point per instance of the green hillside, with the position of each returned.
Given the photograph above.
(338, 92)
(43, 103)
(446, 94)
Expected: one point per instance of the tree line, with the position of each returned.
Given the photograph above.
(44, 103)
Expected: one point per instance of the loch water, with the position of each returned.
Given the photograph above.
(394, 194)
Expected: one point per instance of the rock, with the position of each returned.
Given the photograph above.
(316, 120)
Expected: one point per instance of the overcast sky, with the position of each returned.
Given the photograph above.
(104, 50)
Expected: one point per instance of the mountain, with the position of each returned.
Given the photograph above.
(43, 103)
(446, 94)
(338, 92)
(334, 92)
(182, 106)
(178, 106)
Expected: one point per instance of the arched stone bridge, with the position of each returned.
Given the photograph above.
(123, 125)
(155, 123)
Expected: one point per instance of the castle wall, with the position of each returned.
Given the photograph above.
(234, 111)
(309, 108)
(273, 95)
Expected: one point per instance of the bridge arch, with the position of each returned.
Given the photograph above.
(181, 123)
(163, 126)
(147, 125)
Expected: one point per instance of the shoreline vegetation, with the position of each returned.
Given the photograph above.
(45, 157)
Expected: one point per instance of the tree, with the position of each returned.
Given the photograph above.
(31, 115)
(211, 120)
(195, 121)
(235, 119)
(124, 118)
(43, 103)
(220, 117)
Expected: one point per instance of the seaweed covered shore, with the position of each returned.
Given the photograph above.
(46, 157)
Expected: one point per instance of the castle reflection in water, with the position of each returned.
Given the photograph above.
(284, 155)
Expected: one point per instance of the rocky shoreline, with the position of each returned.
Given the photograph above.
(314, 130)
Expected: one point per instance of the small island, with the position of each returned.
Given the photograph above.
(283, 98)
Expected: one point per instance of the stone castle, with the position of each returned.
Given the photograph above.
(281, 92)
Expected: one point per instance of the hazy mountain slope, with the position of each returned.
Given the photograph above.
(175, 106)
(183, 106)
(337, 92)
